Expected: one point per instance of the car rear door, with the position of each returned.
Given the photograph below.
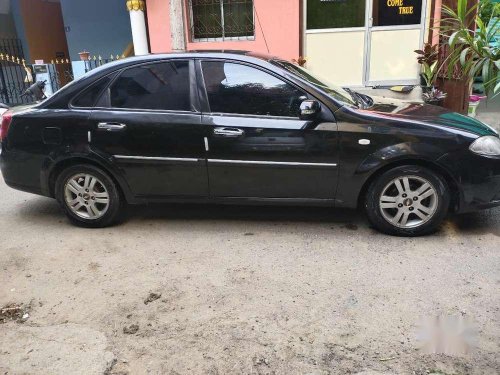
(257, 145)
(148, 122)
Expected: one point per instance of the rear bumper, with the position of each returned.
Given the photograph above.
(21, 171)
(478, 179)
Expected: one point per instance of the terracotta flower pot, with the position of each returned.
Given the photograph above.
(84, 55)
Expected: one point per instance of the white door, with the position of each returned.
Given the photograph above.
(334, 40)
(364, 42)
(395, 29)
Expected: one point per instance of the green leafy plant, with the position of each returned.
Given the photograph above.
(427, 57)
(488, 10)
(429, 73)
(475, 51)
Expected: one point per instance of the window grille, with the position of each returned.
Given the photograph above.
(222, 20)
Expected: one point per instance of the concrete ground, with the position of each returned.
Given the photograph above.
(244, 290)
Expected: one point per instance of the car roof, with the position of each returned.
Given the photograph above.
(204, 53)
(221, 54)
(95, 74)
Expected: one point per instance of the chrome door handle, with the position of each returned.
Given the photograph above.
(111, 126)
(229, 132)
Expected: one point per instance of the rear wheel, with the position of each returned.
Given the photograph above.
(88, 196)
(407, 201)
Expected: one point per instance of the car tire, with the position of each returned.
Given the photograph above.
(88, 196)
(407, 201)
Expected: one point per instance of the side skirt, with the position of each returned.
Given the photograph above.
(241, 201)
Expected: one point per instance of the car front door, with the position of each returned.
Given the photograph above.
(147, 121)
(257, 145)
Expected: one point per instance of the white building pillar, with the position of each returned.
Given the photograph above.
(138, 25)
(177, 30)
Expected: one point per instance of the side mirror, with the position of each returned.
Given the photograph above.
(309, 109)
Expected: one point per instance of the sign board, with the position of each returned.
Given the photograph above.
(397, 12)
(40, 69)
(43, 73)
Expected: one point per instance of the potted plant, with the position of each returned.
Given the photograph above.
(434, 96)
(476, 52)
(428, 76)
(427, 57)
(84, 55)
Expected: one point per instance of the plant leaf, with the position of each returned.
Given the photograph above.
(463, 56)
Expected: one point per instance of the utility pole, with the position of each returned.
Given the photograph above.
(138, 26)
(177, 29)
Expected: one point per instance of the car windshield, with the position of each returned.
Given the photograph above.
(336, 92)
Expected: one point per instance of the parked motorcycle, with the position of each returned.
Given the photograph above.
(36, 90)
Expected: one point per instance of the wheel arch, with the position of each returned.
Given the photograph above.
(62, 164)
(451, 182)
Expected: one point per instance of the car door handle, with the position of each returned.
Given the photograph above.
(111, 126)
(229, 132)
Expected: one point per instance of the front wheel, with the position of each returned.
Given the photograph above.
(407, 201)
(88, 196)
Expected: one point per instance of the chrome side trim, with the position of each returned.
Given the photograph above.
(127, 157)
(259, 162)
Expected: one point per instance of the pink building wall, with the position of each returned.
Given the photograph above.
(159, 25)
(279, 22)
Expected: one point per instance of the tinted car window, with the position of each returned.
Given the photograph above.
(335, 91)
(155, 86)
(237, 88)
(89, 96)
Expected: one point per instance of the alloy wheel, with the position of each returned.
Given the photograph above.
(408, 201)
(86, 196)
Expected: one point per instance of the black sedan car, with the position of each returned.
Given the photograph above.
(244, 128)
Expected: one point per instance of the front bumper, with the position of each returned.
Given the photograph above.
(477, 178)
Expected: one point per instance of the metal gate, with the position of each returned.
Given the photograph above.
(15, 75)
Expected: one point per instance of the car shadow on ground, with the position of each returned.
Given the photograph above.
(244, 213)
(480, 222)
(476, 223)
(48, 209)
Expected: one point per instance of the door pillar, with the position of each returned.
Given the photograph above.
(138, 25)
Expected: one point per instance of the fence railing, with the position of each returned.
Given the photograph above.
(16, 75)
(11, 47)
(97, 61)
(15, 78)
(69, 70)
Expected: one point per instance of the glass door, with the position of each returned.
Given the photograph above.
(334, 39)
(395, 28)
(364, 42)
